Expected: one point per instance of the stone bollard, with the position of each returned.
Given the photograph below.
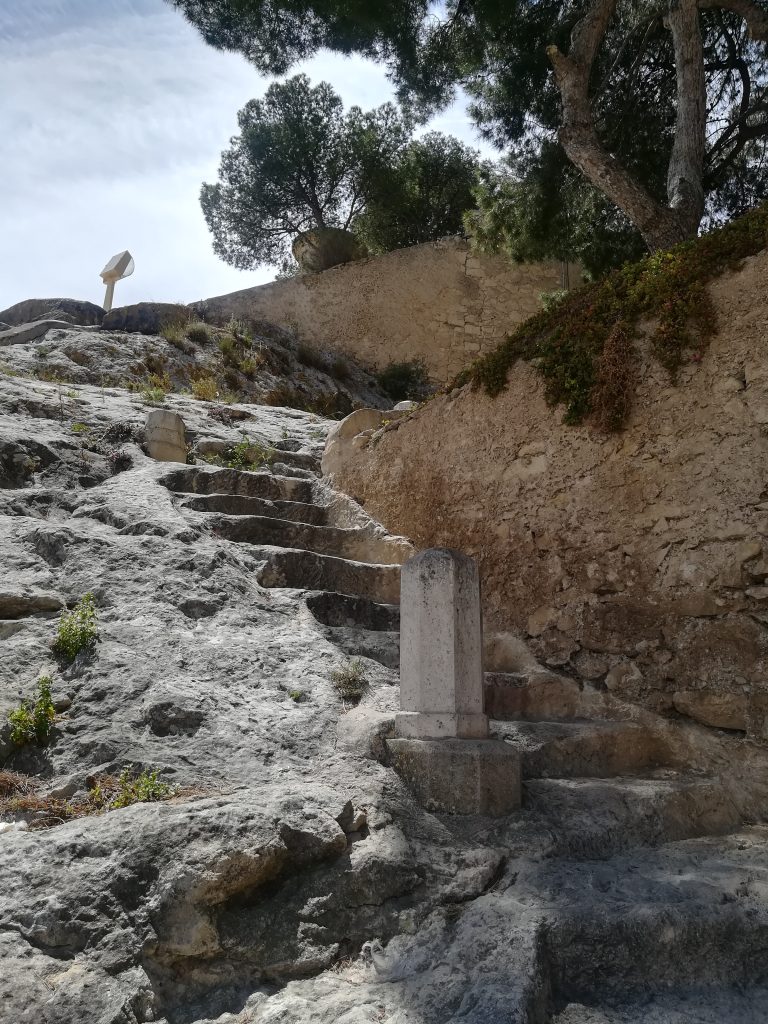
(441, 746)
(164, 434)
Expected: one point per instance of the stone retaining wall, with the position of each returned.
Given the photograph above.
(439, 302)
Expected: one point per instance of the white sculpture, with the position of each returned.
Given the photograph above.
(119, 266)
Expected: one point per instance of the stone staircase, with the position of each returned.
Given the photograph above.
(602, 780)
(580, 749)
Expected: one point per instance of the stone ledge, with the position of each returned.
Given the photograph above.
(459, 776)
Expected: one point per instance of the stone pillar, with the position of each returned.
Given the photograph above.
(164, 434)
(441, 648)
(441, 747)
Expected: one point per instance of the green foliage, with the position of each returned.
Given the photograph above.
(406, 380)
(425, 196)
(31, 722)
(296, 695)
(582, 346)
(142, 788)
(497, 52)
(77, 630)
(249, 453)
(79, 428)
(350, 680)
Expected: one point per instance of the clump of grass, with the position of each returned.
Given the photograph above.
(251, 363)
(296, 695)
(405, 380)
(173, 334)
(79, 428)
(578, 343)
(205, 388)
(153, 395)
(18, 795)
(198, 332)
(350, 680)
(248, 454)
(227, 347)
(32, 721)
(78, 630)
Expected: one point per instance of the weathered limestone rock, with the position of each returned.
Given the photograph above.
(441, 648)
(341, 438)
(79, 310)
(721, 710)
(145, 317)
(28, 332)
(165, 436)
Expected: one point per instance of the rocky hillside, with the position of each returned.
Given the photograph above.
(198, 822)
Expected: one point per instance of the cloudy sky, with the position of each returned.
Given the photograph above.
(112, 114)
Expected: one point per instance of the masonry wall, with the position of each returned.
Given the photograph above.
(439, 301)
(636, 561)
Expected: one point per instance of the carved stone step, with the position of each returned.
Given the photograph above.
(598, 818)
(356, 545)
(210, 480)
(588, 749)
(243, 505)
(307, 570)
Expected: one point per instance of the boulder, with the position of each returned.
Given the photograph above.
(145, 317)
(323, 248)
(341, 437)
(76, 311)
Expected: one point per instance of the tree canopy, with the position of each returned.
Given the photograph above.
(301, 162)
(424, 195)
(661, 105)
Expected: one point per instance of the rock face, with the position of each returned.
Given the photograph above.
(292, 877)
(145, 317)
(76, 311)
(637, 560)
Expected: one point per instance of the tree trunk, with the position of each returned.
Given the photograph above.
(685, 188)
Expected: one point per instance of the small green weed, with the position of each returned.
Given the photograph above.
(78, 629)
(80, 428)
(173, 334)
(350, 680)
(248, 454)
(296, 695)
(32, 722)
(142, 788)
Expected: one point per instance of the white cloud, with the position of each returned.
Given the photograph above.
(113, 114)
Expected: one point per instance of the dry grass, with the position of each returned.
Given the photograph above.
(20, 797)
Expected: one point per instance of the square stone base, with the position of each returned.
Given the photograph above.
(417, 725)
(459, 776)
